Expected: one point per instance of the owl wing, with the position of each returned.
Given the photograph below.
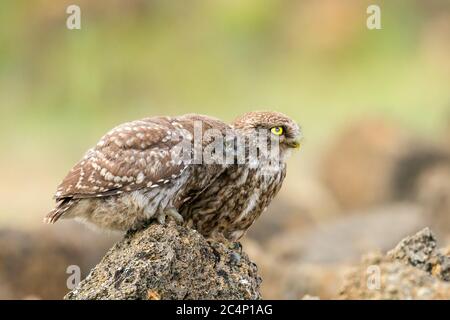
(129, 157)
(140, 154)
(135, 155)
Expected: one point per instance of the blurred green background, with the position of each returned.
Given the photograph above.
(316, 61)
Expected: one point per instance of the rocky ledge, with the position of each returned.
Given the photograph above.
(414, 269)
(171, 262)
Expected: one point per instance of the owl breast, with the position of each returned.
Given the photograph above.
(235, 199)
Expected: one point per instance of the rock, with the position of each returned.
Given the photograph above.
(33, 263)
(397, 282)
(420, 251)
(432, 191)
(373, 162)
(415, 269)
(315, 260)
(285, 279)
(414, 169)
(359, 164)
(346, 239)
(171, 262)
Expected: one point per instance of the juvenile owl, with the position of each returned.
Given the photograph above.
(213, 177)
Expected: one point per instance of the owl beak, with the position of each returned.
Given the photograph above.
(296, 144)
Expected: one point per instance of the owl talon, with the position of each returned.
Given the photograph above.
(161, 218)
(175, 215)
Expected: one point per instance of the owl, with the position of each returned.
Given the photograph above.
(214, 177)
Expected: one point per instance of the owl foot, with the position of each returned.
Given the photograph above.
(171, 212)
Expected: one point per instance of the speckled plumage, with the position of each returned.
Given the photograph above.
(131, 176)
(233, 202)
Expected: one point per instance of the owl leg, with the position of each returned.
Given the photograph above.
(171, 212)
(161, 218)
(175, 215)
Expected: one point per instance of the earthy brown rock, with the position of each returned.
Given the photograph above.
(415, 269)
(420, 251)
(33, 264)
(346, 239)
(359, 164)
(171, 262)
(417, 168)
(432, 191)
(293, 279)
(315, 261)
(373, 162)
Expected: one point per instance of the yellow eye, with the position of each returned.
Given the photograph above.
(277, 131)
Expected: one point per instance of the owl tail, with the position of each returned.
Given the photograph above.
(59, 210)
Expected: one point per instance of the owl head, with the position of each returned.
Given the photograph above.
(275, 124)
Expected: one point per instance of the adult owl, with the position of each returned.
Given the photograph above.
(180, 167)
